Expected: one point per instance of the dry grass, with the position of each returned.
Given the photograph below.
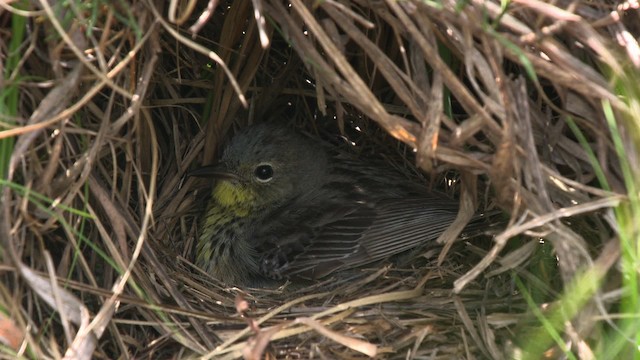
(530, 108)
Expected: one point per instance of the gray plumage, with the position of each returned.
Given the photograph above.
(289, 207)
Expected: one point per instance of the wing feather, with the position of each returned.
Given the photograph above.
(369, 233)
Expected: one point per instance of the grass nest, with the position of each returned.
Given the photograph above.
(525, 106)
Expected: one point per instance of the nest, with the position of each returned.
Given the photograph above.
(527, 107)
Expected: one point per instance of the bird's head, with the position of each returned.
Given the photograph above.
(264, 166)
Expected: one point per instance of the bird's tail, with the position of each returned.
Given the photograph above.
(487, 223)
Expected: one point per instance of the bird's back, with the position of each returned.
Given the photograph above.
(362, 214)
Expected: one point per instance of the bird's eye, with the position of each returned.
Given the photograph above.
(264, 173)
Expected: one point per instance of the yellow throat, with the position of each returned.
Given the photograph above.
(234, 197)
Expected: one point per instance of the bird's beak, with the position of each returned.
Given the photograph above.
(218, 171)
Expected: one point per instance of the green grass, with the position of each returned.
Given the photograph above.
(552, 322)
(10, 95)
(622, 340)
(627, 215)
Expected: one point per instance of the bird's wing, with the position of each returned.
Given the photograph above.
(331, 239)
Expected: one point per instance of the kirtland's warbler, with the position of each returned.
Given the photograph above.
(286, 206)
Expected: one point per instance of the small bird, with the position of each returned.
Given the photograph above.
(284, 206)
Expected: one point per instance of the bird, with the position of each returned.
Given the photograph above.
(285, 206)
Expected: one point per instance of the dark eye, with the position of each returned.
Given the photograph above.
(264, 172)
